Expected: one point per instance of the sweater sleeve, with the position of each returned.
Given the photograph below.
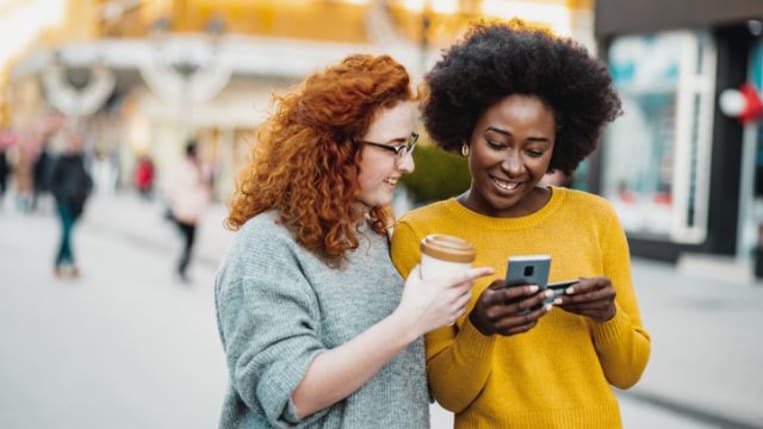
(622, 343)
(458, 360)
(269, 325)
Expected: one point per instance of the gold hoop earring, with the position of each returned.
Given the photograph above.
(465, 150)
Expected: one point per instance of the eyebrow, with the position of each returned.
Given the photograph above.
(508, 134)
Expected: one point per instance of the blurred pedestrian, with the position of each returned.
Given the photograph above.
(71, 185)
(105, 174)
(144, 176)
(4, 172)
(25, 153)
(557, 177)
(308, 303)
(7, 140)
(188, 195)
(41, 170)
(516, 102)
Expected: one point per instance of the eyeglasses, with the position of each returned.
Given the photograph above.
(400, 150)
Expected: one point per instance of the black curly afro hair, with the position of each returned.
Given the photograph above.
(497, 60)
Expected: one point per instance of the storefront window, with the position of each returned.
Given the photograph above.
(656, 156)
(750, 230)
(756, 78)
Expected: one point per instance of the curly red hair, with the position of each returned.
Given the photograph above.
(304, 162)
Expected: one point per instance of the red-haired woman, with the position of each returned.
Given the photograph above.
(317, 325)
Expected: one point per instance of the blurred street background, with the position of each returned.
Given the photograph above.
(121, 340)
(130, 346)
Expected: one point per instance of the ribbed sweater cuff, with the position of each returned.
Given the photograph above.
(613, 329)
(473, 344)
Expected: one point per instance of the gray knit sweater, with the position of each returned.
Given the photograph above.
(279, 306)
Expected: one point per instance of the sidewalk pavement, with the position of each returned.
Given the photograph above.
(707, 335)
(707, 345)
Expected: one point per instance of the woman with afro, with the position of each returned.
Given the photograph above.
(318, 328)
(517, 102)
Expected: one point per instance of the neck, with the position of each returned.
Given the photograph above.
(530, 204)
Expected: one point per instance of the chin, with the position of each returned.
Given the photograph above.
(376, 202)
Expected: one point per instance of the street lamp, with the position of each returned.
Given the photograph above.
(77, 93)
(186, 70)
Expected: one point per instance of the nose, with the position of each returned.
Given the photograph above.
(406, 165)
(512, 164)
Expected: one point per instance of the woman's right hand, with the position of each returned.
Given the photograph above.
(503, 310)
(433, 303)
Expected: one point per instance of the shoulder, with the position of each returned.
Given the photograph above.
(416, 224)
(263, 233)
(585, 201)
(263, 259)
(590, 207)
(426, 214)
(259, 245)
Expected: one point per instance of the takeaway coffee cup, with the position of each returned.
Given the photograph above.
(444, 255)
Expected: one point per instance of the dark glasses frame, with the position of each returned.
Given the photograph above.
(400, 150)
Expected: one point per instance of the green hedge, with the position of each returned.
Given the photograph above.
(438, 175)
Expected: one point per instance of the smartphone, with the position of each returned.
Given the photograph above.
(528, 270)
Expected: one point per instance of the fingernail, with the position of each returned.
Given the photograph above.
(557, 301)
(548, 293)
(533, 289)
(570, 290)
(548, 307)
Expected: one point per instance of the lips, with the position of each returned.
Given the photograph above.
(506, 186)
(391, 181)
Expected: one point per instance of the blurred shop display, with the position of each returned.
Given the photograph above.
(744, 103)
(684, 165)
(657, 150)
(750, 114)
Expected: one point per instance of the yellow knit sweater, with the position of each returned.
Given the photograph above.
(557, 375)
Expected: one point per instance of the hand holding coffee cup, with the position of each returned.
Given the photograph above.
(440, 301)
(439, 289)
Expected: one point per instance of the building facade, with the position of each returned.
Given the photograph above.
(684, 176)
(146, 75)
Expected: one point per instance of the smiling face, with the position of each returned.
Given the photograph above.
(379, 172)
(510, 151)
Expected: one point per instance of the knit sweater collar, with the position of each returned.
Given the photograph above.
(460, 211)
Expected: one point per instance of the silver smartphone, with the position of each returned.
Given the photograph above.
(528, 270)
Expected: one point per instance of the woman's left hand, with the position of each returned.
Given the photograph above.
(593, 297)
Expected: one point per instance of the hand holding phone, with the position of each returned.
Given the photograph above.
(591, 297)
(534, 269)
(508, 310)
